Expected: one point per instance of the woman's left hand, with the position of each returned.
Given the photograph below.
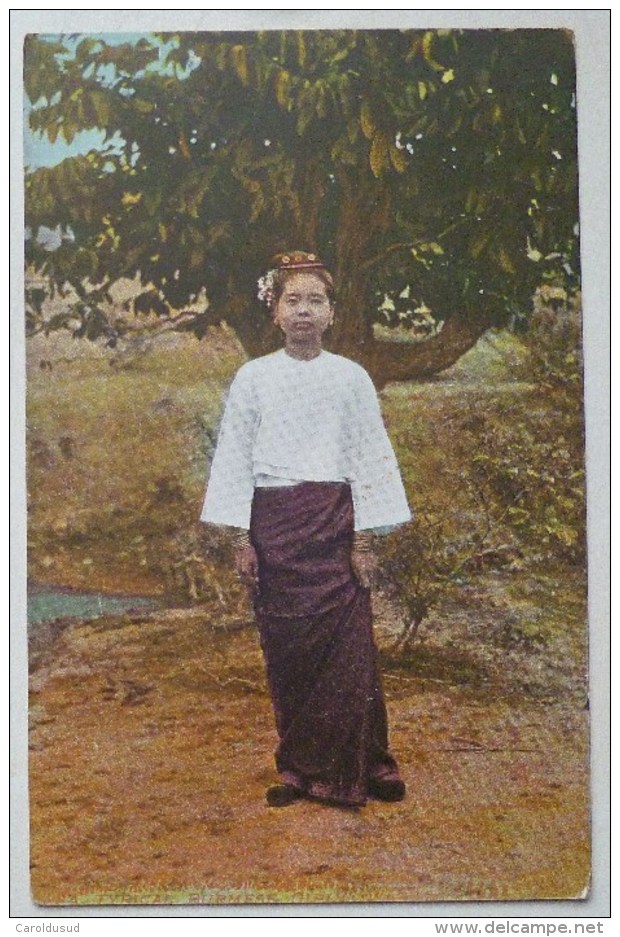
(246, 564)
(364, 565)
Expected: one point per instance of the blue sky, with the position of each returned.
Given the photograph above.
(38, 151)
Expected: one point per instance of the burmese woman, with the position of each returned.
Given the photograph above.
(305, 473)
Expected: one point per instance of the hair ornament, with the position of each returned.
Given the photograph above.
(298, 260)
(265, 287)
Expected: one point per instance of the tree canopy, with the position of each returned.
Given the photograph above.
(433, 169)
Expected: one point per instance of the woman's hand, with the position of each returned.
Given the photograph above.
(246, 564)
(364, 565)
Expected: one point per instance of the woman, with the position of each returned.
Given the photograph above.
(305, 471)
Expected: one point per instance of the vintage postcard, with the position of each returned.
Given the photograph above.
(305, 337)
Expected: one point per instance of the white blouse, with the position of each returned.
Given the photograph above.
(288, 420)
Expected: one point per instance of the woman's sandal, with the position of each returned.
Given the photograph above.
(389, 789)
(282, 795)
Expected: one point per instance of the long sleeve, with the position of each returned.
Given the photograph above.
(316, 420)
(230, 488)
(378, 493)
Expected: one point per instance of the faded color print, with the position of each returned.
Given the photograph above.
(437, 177)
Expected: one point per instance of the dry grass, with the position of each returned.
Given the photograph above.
(117, 459)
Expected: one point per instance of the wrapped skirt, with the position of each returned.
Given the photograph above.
(315, 626)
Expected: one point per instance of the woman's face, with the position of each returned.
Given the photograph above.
(304, 310)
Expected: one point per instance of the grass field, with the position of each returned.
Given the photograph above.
(118, 458)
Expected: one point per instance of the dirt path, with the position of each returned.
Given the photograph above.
(151, 748)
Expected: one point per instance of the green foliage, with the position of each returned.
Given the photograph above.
(531, 460)
(427, 561)
(508, 483)
(440, 160)
(554, 343)
(458, 529)
(548, 479)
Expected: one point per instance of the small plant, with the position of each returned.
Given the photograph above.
(438, 552)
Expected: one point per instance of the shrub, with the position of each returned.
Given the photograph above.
(506, 478)
(454, 536)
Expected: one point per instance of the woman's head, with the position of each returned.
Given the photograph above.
(300, 294)
(287, 265)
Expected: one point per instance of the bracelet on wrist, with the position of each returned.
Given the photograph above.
(363, 542)
(241, 539)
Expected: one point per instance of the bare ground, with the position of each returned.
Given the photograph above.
(151, 748)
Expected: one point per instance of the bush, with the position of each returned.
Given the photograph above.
(532, 455)
(499, 478)
(456, 532)
(530, 461)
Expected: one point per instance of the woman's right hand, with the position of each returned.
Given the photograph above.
(364, 565)
(246, 564)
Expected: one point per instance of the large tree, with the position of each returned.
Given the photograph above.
(434, 168)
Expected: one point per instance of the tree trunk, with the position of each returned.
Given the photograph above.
(404, 361)
(385, 361)
(254, 327)
(364, 215)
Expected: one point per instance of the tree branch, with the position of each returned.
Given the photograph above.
(406, 361)
(409, 245)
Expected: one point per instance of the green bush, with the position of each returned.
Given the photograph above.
(530, 461)
(499, 479)
(532, 452)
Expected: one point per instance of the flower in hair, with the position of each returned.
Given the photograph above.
(265, 287)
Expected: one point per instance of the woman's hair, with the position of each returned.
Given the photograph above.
(283, 267)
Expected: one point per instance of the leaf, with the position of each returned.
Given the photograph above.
(432, 246)
(352, 130)
(379, 154)
(282, 83)
(533, 253)
(427, 52)
(240, 63)
(421, 258)
(399, 158)
(130, 198)
(366, 122)
(301, 50)
(101, 104)
(447, 76)
(68, 131)
(321, 99)
(479, 244)
(505, 262)
(305, 109)
(144, 107)
(422, 90)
